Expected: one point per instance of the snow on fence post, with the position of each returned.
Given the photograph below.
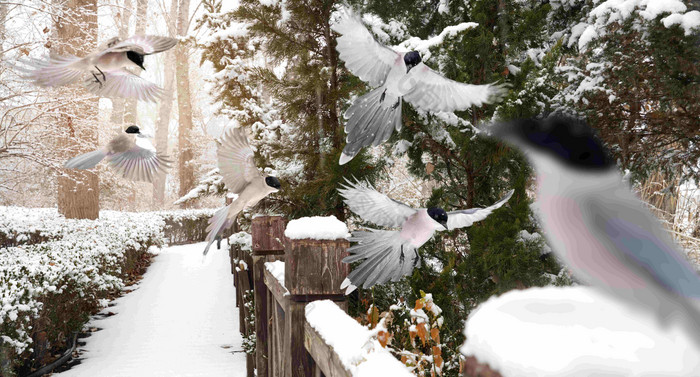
(313, 271)
(268, 246)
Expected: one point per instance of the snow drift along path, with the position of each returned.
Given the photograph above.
(180, 321)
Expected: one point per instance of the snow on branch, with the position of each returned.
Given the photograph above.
(423, 46)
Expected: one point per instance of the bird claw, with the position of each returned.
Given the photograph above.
(97, 80)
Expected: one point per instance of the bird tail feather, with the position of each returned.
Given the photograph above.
(371, 121)
(387, 257)
(86, 161)
(220, 221)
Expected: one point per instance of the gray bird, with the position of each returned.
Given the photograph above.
(242, 177)
(598, 227)
(106, 68)
(129, 152)
(395, 76)
(393, 254)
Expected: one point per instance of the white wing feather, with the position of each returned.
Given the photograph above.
(467, 217)
(433, 92)
(363, 55)
(374, 206)
(122, 83)
(143, 44)
(235, 160)
(140, 164)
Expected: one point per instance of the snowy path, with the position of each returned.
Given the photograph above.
(180, 321)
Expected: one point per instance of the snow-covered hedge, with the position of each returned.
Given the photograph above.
(185, 226)
(60, 271)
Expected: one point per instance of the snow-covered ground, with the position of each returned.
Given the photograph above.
(181, 320)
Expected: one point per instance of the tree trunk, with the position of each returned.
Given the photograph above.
(130, 111)
(78, 191)
(117, 115)
(184, 106)
(165, 108)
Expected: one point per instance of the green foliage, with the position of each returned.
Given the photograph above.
(295, 115)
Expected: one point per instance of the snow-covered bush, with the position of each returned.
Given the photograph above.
(60, 271)
(184, 226)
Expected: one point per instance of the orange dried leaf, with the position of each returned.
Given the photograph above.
(404, 359)
(422, 332)
(383, 338)
(419, 304)
(373, 317)
(437, 351)
(435, 334)
(437, 360)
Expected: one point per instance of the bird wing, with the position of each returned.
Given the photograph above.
(122, 83)
(433, 92)
(374, 206)
(236, 160)
(57, 71)
(363, 55)
(467, 217)
(143, 44)
(141, 162)
(634, 236)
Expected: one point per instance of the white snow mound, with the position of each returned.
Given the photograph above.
(358, 351)
(317, 228)
(574, 331)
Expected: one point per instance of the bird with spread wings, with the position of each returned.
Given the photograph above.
(390, 255)
(105, 68)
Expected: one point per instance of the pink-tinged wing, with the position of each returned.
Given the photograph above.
(236, 160)
(467, 217)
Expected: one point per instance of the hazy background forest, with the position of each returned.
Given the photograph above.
(629, 67)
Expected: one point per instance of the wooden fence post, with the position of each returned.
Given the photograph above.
(268, 246)
(313, 270)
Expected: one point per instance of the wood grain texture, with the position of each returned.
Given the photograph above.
(268, 234)
(279, 292)
(315, 266)
(298, 362)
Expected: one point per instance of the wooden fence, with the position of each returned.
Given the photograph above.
(286, 344)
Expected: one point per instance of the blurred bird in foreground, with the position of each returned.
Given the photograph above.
(242, 177)
(129, 152)
(396, 76)
(105, 68)
(598, 226)
(393, 254)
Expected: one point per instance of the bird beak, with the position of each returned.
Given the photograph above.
(142, 67)
(444, 224)
(408, 69)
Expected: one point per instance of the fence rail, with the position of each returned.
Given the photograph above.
(287, 345)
